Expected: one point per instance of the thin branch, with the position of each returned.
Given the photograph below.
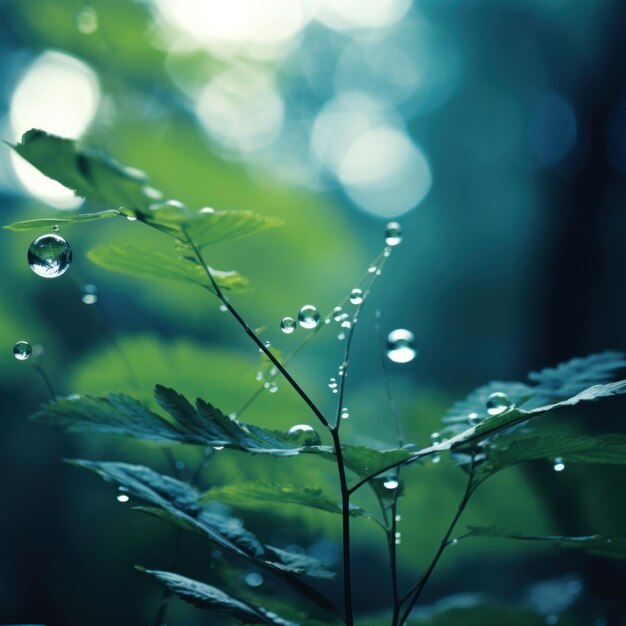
(218, 292)
(46, 381)
(414, 593)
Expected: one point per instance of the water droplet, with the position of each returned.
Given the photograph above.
(473, 418)
(454, 542)
(559, 464)
(386, 252)
(223, 308)
(180, 465)
(259, 376)
(371, 269)
(308, 316)
(327, 320)
(341, 336)
(398, 518)
(253, 579)
(435, 438)
(90, 294)
(390, 483)
(498, 403)
(56, 228)
(87, 21)
(123, 495)
(273, 388)
(49, 256)
(332, 383)
(267, 344)
(346, 324)
(356, 296)
(131, 218)
(393, 234)
(304, 435)
(400, 347)
(218, 448)
(345, 414)
(436, 458)
(22, 350)
(288, 325)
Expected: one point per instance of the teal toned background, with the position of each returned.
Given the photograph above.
(494, 132)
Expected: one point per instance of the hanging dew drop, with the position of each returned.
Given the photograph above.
(393, 234)
(288, 325)
(49, 256)
(345, 414)
(400, 346)
(391, 484)
(89, 294)
(371, 269)
(436, 458)
(123, 495)
(308, 316)
(356, 296)
(22, 350)
(559, 464)
(304, 435)
(218, 448)
(498, 403)
(273, 388)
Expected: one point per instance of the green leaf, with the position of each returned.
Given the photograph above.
(177, 502)
(113, 414)
(365, 461)
(48, 222)
(610, 546)
(210, 598)
(610, 449)
(255, 494)
(209, 424)
(127, 259)
(89, 173)
(551, 386)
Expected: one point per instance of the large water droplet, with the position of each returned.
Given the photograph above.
(559, 464)
(22, 350)
(49, 256)
(390, 483)
(400, 347)
(498, 403)
(393, 234)
(304, 435)
(253, 579)
(356, 296)
(288, 325)
(308, 316)
(90, 294)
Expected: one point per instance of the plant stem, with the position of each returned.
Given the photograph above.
(345, 516)
(391, 536)
(46, 381)
(417, 589)
(253, 336)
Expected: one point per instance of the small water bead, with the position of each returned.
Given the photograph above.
(391, 483)
(345, 414)
(386, 253)
(49, 256)
(123, 495)
(223, 308)
(308, 316)
(341, 336)
(498, 403)
(398, 518)
(371, 269)
(87, 21)
(400, 348)
(89, 294)
(393, 234)
(56, 228)
(436, 458)
(253, 579)
(288, 325)
(346, 324)
(332, 383)
(218, 448)
(22, 350)
(356, 296)
(131, 218)
(304, 435)
(273, 388)
(559, 464)
(180, 465)
(454, 542)
(473, 418)
(435, 438)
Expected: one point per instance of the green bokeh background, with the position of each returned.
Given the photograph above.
(505, 267)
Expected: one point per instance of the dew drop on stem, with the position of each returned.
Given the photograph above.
(400, 346)
(393, 234)
(308, 317)
(356, 296)
(559, 464)
(288, 325)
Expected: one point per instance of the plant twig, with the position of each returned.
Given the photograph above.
(46, 381)
(412, 596)
(218, 292)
